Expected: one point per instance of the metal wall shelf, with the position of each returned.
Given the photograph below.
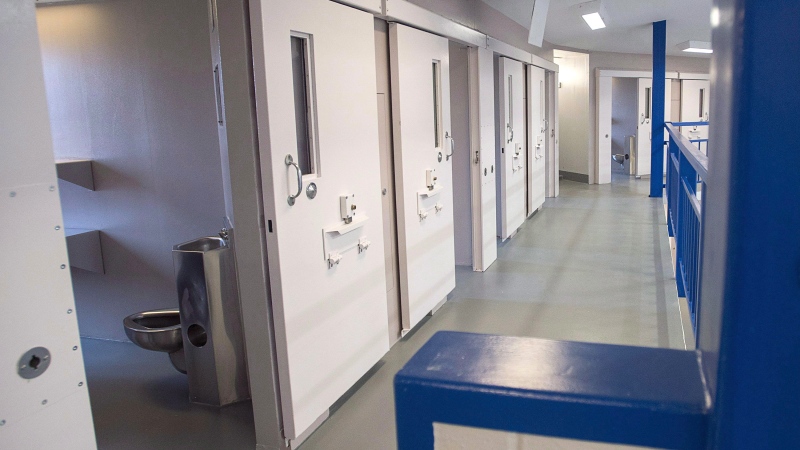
(76, 171)
(85, 251)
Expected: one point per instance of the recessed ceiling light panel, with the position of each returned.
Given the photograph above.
(696, 47)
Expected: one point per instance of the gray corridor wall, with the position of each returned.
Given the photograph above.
(129, 85)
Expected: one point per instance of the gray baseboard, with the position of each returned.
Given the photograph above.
(572, 176)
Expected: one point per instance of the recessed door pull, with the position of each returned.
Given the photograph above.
(290, 162)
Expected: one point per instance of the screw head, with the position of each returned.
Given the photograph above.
(2, 422)
(52, 188)
(58, 227)
(44, 402)
(12, 194)
(63, 266)
(80, 384)
(74, 347)
(69, 311)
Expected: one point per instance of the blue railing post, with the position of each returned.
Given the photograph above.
(672, 184)
(657, 123)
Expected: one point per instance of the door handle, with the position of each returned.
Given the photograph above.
(290, 162)
(706, 117)
(510, 132)
(642, 122)
(452, 145)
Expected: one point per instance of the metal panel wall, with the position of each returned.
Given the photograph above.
(45, 400)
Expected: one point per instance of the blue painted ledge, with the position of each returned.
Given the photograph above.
(595, 392)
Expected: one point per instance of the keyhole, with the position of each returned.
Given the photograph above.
(34, 362)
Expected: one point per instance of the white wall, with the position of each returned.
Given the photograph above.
(129, 85)
(462, 161)
(574, 113)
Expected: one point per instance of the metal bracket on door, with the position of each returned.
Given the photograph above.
(290, 162)
(510, 130)
(477, 157)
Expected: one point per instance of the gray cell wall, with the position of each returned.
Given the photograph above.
(462, 159)
(129, 85)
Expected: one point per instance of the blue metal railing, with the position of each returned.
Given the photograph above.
(702, 143)
(687, 172)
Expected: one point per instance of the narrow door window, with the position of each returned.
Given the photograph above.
(702, 100)
(304, 103)
(510, 102)
(542, 112)
(647, 103)
(437, 108)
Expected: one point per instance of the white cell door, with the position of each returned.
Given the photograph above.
(644, 105)
(512, 153)
(694, 108)
(482, 127)
(537, 133)
(423, 169)
(314, 64)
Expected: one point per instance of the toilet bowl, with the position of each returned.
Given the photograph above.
(159, 331)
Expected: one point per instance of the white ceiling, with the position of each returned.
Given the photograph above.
(628, 25)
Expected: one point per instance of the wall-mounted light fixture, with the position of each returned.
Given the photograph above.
(593, 13)
(696, 47)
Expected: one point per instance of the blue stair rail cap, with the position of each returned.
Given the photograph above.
(597, 392)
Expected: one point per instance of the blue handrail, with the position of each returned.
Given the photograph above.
(689, 124)
(698, 160)
(687, 168)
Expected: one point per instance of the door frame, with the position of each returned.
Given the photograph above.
(601, 174)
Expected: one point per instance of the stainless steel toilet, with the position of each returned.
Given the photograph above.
(159, 331)
(203, 336)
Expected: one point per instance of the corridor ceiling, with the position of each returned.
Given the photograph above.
(628, 23)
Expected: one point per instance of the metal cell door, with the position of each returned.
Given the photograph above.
(423, 146)
(537, 133)
(694, 108)
(644, 105)
(314, 65)
(512, 153)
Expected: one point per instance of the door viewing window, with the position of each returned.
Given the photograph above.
(510, 117)
(647, 106)
(702, 99)
(305, 103)
(437, 107)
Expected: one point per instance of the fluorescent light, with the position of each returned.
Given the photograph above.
(593, 13)
(594, 21)
(696, 47)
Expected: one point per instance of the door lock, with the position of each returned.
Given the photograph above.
(347, 208)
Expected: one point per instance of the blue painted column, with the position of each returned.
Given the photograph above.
(657, 122)
(751, 255)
